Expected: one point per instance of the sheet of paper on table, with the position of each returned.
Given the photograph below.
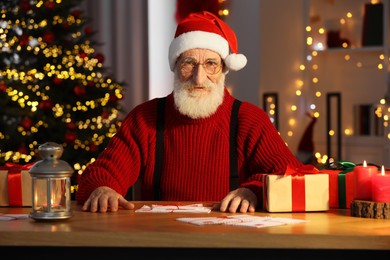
(242, 220)
(192, 208)
(7, 217)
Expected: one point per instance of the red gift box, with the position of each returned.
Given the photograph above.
(15, 185)
(340, 188)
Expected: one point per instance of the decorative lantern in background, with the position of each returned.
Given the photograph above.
(51, 196)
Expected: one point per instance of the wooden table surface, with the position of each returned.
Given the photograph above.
(331, 230)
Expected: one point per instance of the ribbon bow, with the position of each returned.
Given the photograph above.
(24, 167)
(300, 171)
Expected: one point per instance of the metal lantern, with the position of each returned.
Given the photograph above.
(51, 198)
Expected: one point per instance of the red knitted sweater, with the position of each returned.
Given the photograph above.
(196, 154)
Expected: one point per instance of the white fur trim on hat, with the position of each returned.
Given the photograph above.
(205, 40)
(197, 39)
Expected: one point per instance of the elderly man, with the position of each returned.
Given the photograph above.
(190, 145)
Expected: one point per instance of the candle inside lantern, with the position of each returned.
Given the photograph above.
(381, 187)
(362, 181)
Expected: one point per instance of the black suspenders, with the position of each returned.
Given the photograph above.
(160, 146)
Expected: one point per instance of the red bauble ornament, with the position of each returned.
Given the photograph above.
(23, 150)
(76, 13)
(105, 114)
(49, 5)
(23, 40)
(49, 37)
(79, 90)
(71, 126)
(82, 55)
(24, 5)
(70, 137)
(65, 25)
(88, 30)
(26, 123)
(113, 98)
(93, 148)
(100, 57)
(57, 81)
(46, 105)
(3, 87)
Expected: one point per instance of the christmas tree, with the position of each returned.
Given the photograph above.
(53, 85)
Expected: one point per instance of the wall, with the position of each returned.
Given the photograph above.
(281, 53)
(244, 19)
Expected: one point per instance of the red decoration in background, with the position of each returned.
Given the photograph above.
(26, 123)
(57, 81)
(185, 7)
(23, 40)
(71, 126)
(91, 84)
(100, 57)
(88, 30)
(82, 55)
(76, 13)
(306, 145)
(113, 98)
(24, 5)
(49, 37)
(23, 150)
(3, 87)
(79, 90)
(65, 25)
(49, 5)
(105, 114)
(46, 104)
(93, 147)
(70, 137)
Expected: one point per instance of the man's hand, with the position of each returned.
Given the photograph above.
(105, 199)
(241, 199)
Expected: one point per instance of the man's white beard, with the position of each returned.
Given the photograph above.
(200, 104)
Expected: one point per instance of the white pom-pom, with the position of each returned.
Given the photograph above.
(235, 61)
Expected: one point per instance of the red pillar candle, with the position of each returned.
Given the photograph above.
(381, 187)
(362, 181)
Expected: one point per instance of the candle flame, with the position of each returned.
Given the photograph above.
(383, 170)
(364, 163)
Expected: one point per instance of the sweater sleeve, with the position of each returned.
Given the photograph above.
(261, 149)
(120, 164)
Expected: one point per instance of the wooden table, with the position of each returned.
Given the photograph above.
(331, 232)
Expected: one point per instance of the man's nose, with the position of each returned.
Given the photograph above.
(199, 75)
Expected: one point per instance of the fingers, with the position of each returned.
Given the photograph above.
(225, 202)
(242, 200)
(125, 203)
(104, 199)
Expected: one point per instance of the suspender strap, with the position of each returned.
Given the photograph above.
(159, 148)
(233, 144)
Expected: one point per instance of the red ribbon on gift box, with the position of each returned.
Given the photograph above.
(298, 184)
(14, 177)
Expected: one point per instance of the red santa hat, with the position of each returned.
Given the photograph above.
(206, 31)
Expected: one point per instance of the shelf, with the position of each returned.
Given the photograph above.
(359, 49)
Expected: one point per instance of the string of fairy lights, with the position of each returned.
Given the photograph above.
(307, 88)
(316, 42)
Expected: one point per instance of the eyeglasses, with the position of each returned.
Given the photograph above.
(211, 66)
